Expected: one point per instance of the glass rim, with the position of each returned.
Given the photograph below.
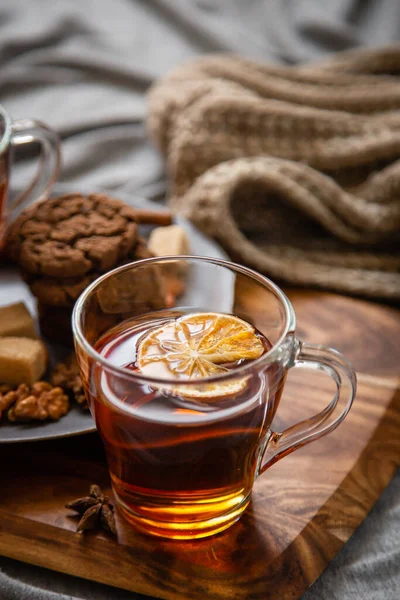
(263, 360)
(5, 139)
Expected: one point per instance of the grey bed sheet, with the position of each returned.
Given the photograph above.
(83, 66)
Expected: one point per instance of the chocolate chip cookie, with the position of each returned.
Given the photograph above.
(55, 324)
(63, 244)
(73, 236)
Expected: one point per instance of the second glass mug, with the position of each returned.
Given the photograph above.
(180, 467)
(20, 133)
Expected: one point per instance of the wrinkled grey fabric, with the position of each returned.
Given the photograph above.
(83, 66)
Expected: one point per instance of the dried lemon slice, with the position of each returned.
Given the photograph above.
(198, 346)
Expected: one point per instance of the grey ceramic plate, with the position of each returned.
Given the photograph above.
(12, 289)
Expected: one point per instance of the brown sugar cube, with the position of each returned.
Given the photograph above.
(22, 360)
(172, 240)
(16, 321)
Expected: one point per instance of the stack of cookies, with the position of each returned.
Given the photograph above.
(63, 244)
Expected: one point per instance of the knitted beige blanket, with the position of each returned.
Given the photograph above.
(294, 170)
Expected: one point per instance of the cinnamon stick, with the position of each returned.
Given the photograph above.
(153, 217)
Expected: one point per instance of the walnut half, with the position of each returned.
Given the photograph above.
(7, 397)
(66, 375)
(38, 402)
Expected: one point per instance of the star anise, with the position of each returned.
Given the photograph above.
(95, 510)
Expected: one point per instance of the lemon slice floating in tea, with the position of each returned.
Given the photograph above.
(199, 345)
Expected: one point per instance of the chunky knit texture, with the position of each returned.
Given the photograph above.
(294, 170)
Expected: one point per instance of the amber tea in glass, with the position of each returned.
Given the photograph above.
(184, 398)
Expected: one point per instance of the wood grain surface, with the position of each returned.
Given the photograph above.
(303, 509)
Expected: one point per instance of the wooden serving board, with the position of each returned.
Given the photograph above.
(304, 508)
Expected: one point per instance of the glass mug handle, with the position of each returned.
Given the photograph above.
(332, 362)
(27, 131)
